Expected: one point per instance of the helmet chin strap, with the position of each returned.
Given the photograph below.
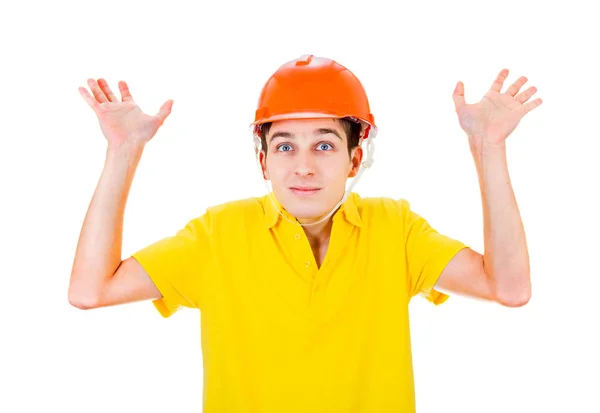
(367, 163)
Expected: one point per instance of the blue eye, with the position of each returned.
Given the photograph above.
(285, 145)
(324, 146)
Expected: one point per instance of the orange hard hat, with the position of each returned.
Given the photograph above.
(310, 87)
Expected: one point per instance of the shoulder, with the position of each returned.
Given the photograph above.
(231, 213)
(382, 207)
(238, 208)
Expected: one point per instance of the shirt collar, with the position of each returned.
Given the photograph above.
(349, 210)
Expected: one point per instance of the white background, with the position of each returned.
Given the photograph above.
(212, 59)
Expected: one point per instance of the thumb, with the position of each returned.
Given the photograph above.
(459, 95)
(164, 111)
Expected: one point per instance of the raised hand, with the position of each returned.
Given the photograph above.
(491, 120)
(122, 121)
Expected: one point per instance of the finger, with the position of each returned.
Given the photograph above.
(98, 93)
(499, 82)
(106, 89)
(459, 95)
(89, 99)
(164, 111)
(125, 93)
(524, 96)
(514, 88)
(529, 106)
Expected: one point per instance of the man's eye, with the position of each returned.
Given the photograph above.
(284, 148)
(324, 147)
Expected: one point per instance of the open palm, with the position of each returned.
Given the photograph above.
(496, 115)
(122, 121)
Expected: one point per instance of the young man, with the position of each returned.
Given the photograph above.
(304, 292)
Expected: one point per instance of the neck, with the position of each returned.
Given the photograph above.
(320, 233)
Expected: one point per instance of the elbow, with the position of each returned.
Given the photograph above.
(514, 298)
(83, 301)
(511, 290)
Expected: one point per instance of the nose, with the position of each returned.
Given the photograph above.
(305, 164)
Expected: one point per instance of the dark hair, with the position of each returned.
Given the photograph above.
(351, 127)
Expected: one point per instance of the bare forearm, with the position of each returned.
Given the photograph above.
(506, 257)
(98, 252)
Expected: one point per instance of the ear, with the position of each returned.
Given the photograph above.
(263, 165)
(356, 156)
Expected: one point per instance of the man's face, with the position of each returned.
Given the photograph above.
(308, 165)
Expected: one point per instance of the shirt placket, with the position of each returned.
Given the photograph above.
(300, 253)
(340, 235)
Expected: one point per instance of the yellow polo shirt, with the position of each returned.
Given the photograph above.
(281, 335)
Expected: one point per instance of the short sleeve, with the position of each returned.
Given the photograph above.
(176, 266)
(427, 254)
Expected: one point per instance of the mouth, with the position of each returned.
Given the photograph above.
(304, 190)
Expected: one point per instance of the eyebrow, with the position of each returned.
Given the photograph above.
(320, 131)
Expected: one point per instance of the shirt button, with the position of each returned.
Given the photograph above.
(316, 288)
(296, 237)
(307, 264)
